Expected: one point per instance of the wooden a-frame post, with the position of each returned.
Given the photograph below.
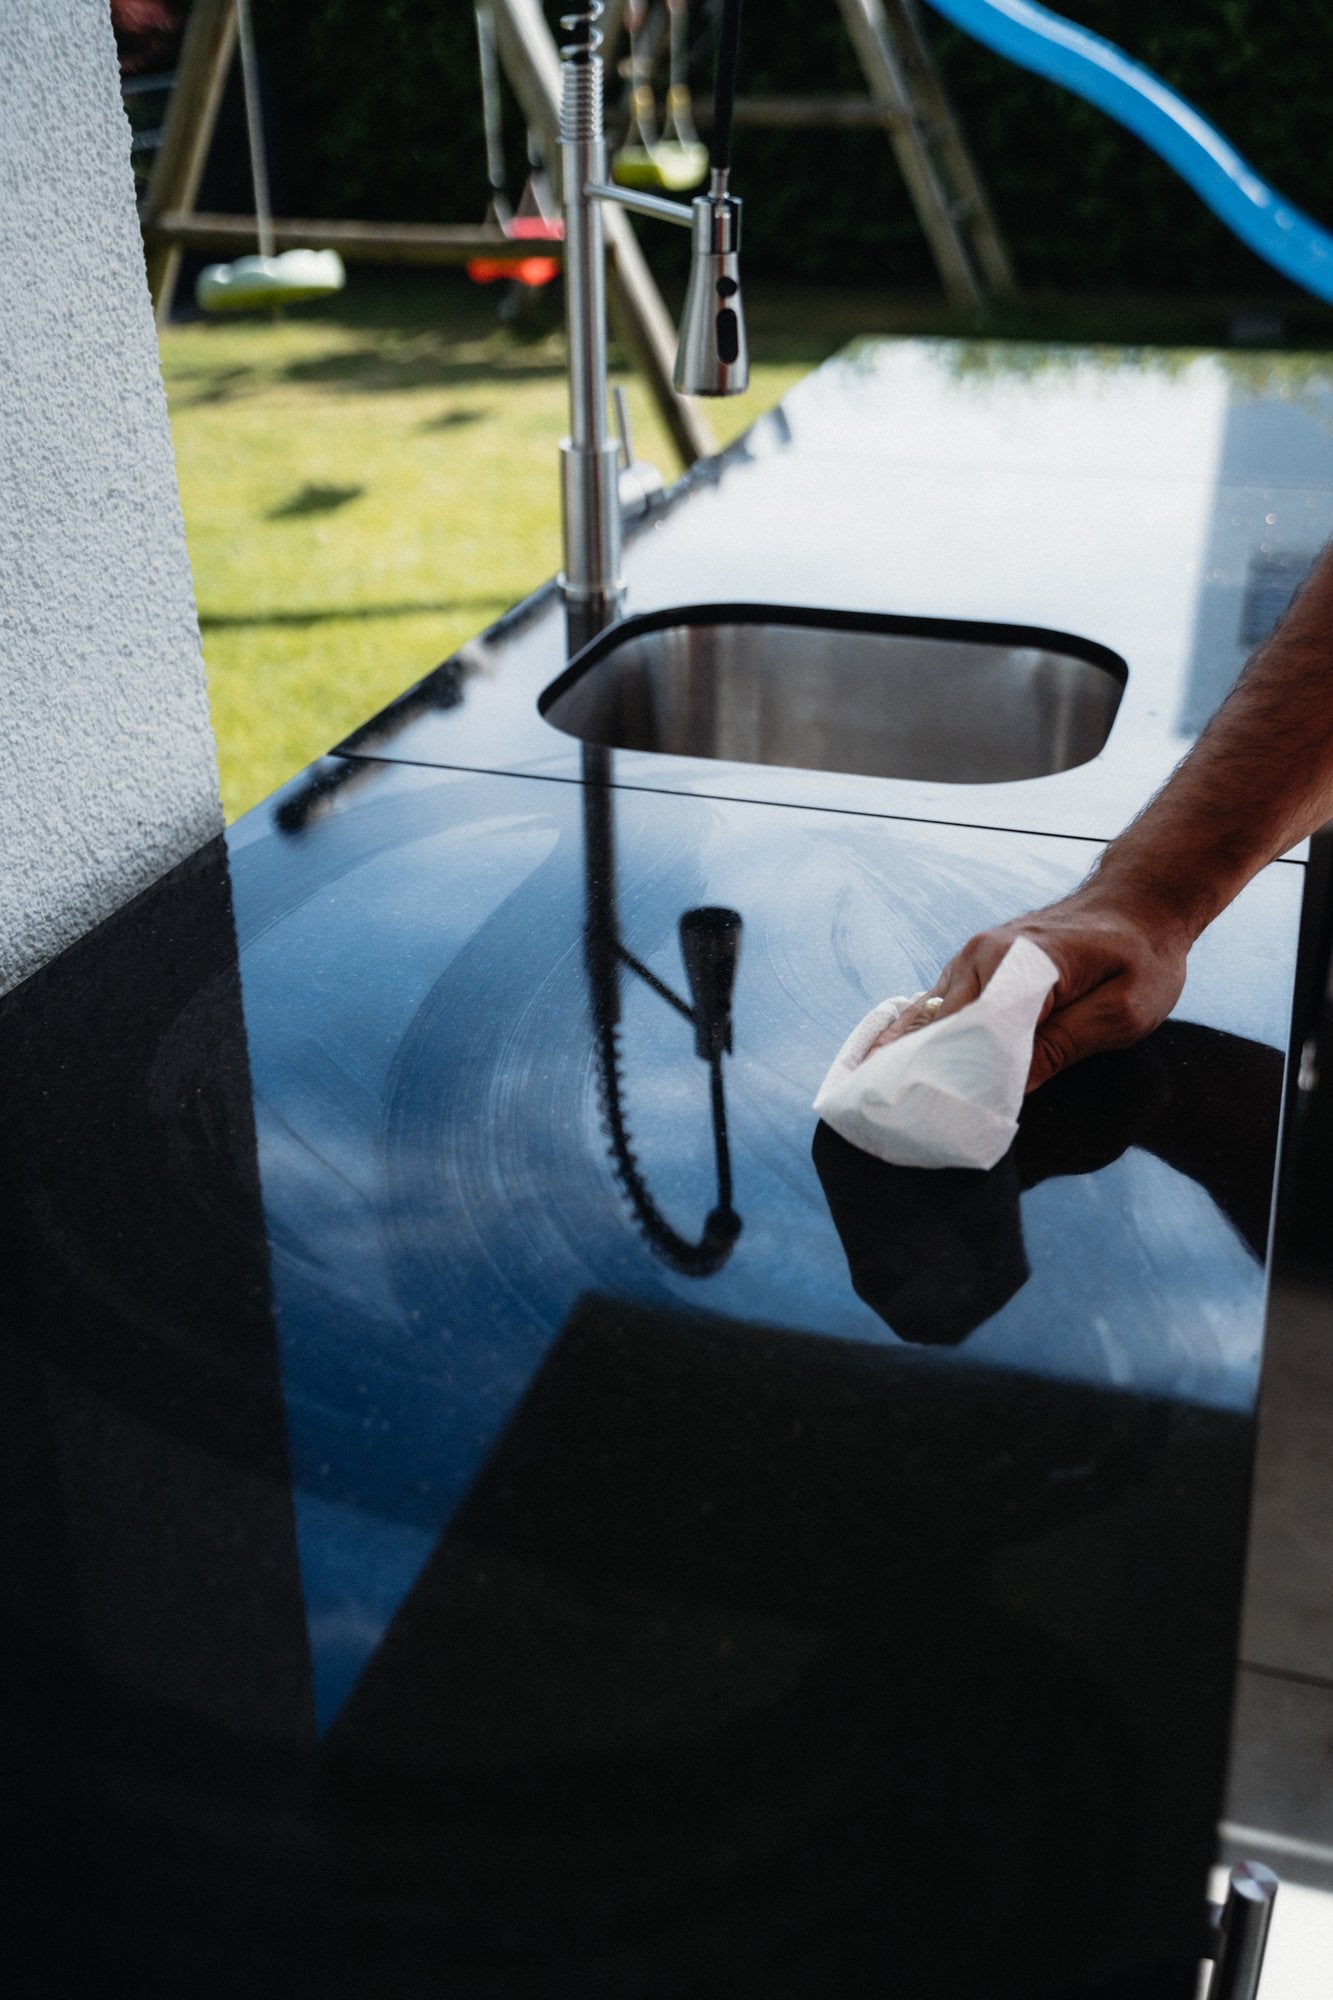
(187, 134)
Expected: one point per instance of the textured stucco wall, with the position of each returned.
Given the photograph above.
(107, 766)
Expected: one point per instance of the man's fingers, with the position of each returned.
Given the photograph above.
(1114, 982)
(1050, 1054)
(920, 1014)
(1102, 1020)
(965, 977)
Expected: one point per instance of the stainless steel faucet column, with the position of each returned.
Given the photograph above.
(589, 483)
(711, 360)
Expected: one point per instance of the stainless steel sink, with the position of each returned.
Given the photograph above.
(935, 699)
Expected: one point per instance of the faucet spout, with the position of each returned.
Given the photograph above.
(713, 357)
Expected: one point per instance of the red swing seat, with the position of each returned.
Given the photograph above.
(532, 271)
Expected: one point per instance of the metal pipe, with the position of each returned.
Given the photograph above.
(254, 127)
(589, 455)
(654, 205)
(583, 156)
(1243, 1932)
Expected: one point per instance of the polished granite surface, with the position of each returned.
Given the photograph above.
(411, 1398)
(1160, 503)
(497, 1501)
(454, 1063)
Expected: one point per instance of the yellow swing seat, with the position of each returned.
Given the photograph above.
(288, 279)
(671, 164)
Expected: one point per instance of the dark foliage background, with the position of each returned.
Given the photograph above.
(374, 111)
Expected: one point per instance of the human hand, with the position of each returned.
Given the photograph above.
(1120, 961)
(919, 1012)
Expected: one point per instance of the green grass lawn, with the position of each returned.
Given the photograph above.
(369, 482)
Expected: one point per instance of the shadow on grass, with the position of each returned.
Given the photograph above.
(219, 385)
(428, 362)
(314, 500)
(433, 330)
(240, 621)
(408, 330)
(453, 420)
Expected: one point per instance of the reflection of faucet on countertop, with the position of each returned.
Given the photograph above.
(712, 358)
(709, 943)
(937, 1251)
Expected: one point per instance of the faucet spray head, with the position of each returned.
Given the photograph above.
(710, 942)
(713, 358)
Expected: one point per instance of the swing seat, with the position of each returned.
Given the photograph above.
(289, 279)
(674, 165)
(540, 228)
(532, 271)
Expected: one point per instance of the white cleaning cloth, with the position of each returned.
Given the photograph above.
(947, 1094)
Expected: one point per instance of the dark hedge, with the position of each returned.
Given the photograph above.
(375, 113)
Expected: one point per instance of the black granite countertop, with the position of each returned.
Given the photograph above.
(1163, 504)
(489, 1514)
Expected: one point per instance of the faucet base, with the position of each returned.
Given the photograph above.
(590, 506)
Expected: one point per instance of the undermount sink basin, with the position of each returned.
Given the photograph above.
(932, 699)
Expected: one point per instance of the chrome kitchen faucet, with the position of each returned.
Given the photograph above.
(712, 358)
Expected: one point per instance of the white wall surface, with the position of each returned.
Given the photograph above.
(107, 766)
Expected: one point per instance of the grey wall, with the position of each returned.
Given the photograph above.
(107, 766)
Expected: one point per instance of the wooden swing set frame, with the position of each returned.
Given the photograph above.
(906, 99)
(171, 222)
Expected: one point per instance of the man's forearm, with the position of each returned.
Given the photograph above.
(1259, 779)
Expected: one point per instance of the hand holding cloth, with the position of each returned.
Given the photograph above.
(948, 1093)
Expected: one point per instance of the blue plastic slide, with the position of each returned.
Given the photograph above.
(1097, 70)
